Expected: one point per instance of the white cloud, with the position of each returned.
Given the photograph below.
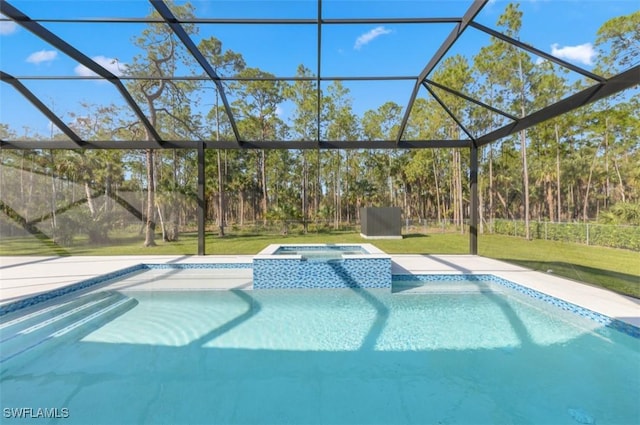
(582, 53)
(110, 64)
(42, 56)
(8, 27)
(367, 37)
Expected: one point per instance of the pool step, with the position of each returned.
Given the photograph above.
(72, 320)
(9, 327)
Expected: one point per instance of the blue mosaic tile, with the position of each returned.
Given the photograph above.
(441, 277)
(300, 273)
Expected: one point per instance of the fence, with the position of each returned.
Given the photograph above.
(121, 225)
(609, 235)
(409, 226)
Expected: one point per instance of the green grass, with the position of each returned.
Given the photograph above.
(614, 269)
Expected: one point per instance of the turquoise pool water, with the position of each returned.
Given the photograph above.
(321, 252)
(470, 352)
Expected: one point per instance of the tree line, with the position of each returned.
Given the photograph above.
(580, 166)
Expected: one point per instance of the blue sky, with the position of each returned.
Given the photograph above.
(564, 28)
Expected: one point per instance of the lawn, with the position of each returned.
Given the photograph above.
(615, 269)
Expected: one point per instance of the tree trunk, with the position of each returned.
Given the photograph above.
(305, 206)
(435, 177)
(492, 212)
(174, 208)
(620, 181)
(90, 202)
(452, 191)
(29, 201)
(54, 195)
(263, 175)
(585, 205)
(558, 187)
(150, 227)
(174, 229)
(523, 150)
(108, 190)
(459, 190)
(221, 209)
(316, 196)
(525, 182)
(549, 197)
(480, 207)
(22, 189)
(165, 235)
(347, 187)
(338, 213)
(390, 180)
(504, 205)
(241, 207)
(606, 163)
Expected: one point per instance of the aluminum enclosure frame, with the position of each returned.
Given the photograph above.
(602, 88)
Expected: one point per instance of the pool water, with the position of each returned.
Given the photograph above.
(321, 252)
(470, 353)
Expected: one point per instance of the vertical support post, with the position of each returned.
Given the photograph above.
(474, 213)
(201, 204)
(587, 234)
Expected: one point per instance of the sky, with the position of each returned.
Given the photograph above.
(564, 28)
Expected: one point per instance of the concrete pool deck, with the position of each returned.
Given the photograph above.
(22, 277)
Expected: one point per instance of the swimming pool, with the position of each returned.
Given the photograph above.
(433, 350)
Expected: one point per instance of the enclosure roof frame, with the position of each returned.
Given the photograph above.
(603, 87)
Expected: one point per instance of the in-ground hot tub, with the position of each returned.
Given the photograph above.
(321, 266)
